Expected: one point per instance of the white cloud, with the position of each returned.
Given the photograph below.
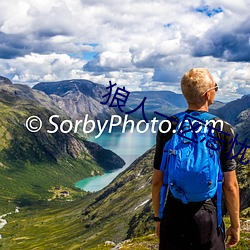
(140, 44)
(16, 18)
(35, 68)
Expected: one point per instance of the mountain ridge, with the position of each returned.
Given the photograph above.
(4, 80)
(230, 111)
(78, 98)
(73, 95)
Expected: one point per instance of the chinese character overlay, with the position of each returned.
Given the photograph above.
(120, 97)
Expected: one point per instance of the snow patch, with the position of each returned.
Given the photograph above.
(2, 223)
(143, 186)
(142, 204)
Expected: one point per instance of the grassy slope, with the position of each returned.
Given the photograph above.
(60, 225)
(48, 226)
(150, 242)
(27, 170)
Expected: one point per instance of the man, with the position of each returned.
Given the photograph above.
(194, 225)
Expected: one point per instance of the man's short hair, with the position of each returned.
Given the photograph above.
(195, 83)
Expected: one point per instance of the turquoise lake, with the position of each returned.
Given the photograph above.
(129, 146)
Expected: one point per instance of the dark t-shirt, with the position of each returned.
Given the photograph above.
(223, 139)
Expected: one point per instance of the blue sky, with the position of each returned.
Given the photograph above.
(143, 44)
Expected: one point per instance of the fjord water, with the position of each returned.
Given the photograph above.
(128, 146)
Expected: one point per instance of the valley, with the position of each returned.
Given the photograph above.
(38, 172)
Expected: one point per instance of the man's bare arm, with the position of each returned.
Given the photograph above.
(156, 187)
(232, 200)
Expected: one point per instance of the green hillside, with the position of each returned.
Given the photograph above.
(123, 210)
(88, 221)
(31, 164)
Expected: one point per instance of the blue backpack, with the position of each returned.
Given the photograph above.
(191, 162)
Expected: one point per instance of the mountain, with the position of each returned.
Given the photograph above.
(165, 102)
(216, 105)
(4, 80)
(230, 111)
(237, 113)
(32, 163)
(124, 208)
(110, 214)
(78, 98)
(242, 128)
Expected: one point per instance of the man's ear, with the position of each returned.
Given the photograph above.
(207, 95)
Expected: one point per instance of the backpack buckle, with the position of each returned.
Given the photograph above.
(172, 152)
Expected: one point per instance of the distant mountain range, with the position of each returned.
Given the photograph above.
(79, 97)
(231, 111)
(237, 113)
(165, 102)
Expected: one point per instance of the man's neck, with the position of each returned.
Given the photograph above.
(198, 107)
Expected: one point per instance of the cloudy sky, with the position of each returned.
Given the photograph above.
(140, 44)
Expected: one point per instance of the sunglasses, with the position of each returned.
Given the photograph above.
(216, 87)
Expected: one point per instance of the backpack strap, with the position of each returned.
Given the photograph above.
(164, 187)
(163, 194)
(219, 200)
(164, 169)
(205, 115)
(180, 116)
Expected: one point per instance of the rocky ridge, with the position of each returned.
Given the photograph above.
(78, 98)
(4, 80)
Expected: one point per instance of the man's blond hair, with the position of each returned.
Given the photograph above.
(195, 83)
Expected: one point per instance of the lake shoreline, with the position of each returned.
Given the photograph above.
(129, 146)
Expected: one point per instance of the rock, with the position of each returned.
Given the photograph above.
(2, 223)
(109, 243)
(245, 226)
(4, 80)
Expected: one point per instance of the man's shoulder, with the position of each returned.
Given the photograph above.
(222, 125)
